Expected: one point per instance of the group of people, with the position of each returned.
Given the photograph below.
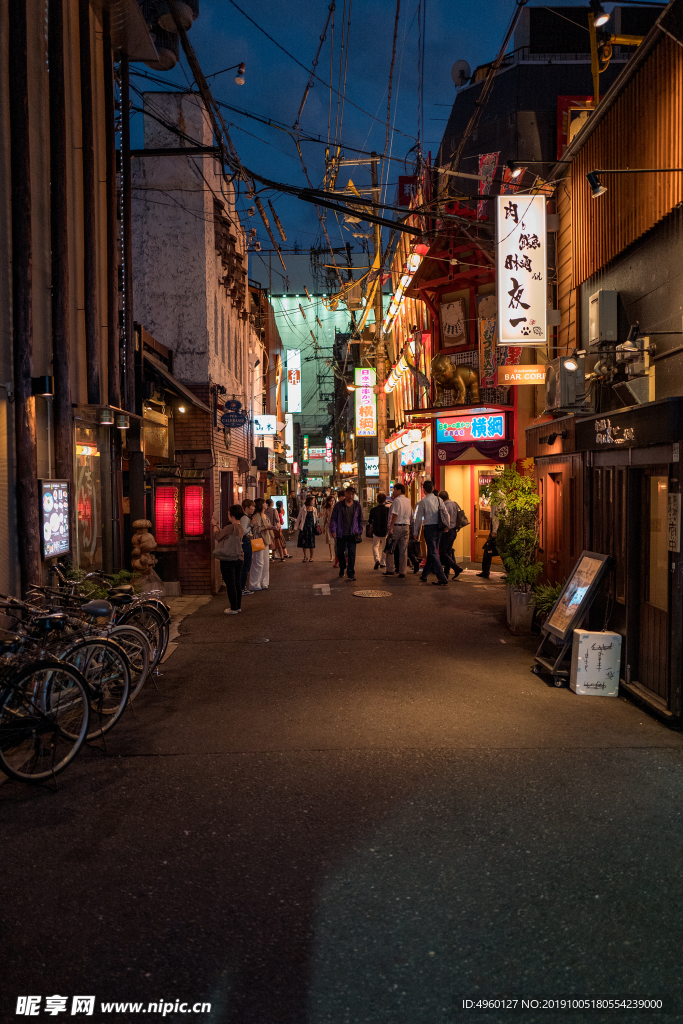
(254, 536)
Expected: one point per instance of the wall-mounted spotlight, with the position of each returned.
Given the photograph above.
(600, 16)
(42, 387)
(597, 188)
(514, 170)
(350, 386)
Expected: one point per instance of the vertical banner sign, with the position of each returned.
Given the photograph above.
(289, 437)
(304, 457)
(366, 401)
(294, 380)
(328, 449)
(487, 168)
(487, 354)
(521, 270)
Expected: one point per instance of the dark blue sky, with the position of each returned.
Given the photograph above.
(274, 86)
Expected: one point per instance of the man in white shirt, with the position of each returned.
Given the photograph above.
(427, 514)
(399, 527)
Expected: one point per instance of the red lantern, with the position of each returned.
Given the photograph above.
(193, 510)
(166, 515)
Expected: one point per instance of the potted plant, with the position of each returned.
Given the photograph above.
(515, 504)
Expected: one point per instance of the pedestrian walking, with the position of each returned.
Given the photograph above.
(229, 552)
(399, 526)
(327, 515)
(378, 526)
(346, 526)
(490, 548)
(428, 515)
(447, 538)
(261, 533)
(306, 525)
(245, 523)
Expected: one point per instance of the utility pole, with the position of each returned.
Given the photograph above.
(380, 350)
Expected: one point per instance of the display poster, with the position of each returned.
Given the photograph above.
(453, 323)
(54, 518)
(490, 426)
(280, 505)
(575, 591)
(413, 453)
(372, 465)
(521, 270)
(365, 378)
(265, 424)
(289, 437)
(293, 380)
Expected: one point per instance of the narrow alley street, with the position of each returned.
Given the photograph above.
(336, 810)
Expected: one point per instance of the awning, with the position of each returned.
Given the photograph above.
(174, 383)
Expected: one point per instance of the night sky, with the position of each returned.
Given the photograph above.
(275, 84)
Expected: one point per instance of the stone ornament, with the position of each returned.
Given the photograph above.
(143, 545)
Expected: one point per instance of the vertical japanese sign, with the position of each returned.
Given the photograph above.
(487, 354)
(365, 379)
(521, 270)
(328, 449)
(294, 380)
(488, 162)
(304, 454)
(289, 437)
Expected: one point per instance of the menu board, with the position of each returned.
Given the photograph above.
(577, 594)
(54, 518)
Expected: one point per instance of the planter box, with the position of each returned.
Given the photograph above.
(520, 610)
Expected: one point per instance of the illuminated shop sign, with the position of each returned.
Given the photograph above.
(54, 517)
(365, 378)
(289, 437)
(521, 270)
(328, 449)
(304, 456)
(293, 380)
(317, 452)
(413, 453)
(372, 465)
(265, 424)
(474, 427)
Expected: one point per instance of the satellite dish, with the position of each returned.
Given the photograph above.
(461, 73)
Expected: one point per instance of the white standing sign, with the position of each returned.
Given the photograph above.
(293, 380)
(521, 270)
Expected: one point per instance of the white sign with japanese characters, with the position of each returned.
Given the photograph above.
(521, 270)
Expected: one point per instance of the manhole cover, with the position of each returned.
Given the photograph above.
(259, 640)
(372, 593)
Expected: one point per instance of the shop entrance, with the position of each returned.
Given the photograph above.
(653, 661)
(226, 497)
(482, 511)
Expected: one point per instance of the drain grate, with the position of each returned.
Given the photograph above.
(372, 593)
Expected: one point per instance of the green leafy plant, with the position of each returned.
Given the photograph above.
(96, 590)
(515, 503)
(546, 596)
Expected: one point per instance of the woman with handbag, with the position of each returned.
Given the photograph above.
(261, 536)
(306, 524)
(228, 551)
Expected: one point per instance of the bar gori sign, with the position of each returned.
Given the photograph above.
(365, 378)
(508, 375)
(521, 270)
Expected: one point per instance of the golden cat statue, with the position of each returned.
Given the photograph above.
(451, 377)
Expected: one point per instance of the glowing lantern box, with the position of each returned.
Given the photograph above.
(166, 500)
(365, 379)
(596, 658)
(193, 510)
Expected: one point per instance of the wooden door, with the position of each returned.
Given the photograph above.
(554, 525)
(226, 498)
(654, 583)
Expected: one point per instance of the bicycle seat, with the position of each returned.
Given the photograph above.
(9, 641)
(125, 588)
(97, 608)
(53, 621)
(120, 599)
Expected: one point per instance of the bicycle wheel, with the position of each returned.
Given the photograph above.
(152, 624)
(138, 648)
(44, 717)
(106, 669)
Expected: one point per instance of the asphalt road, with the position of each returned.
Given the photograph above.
(375, 815)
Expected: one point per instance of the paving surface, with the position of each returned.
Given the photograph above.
(369, 818)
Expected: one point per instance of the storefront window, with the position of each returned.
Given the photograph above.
(88, 549)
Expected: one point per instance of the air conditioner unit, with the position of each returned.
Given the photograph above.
(565, 388)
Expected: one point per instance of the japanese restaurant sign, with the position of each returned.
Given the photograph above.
(328, 449)
(365, 378)
(508, 375)
(294, 380)
(521, 270)
(475, 426)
